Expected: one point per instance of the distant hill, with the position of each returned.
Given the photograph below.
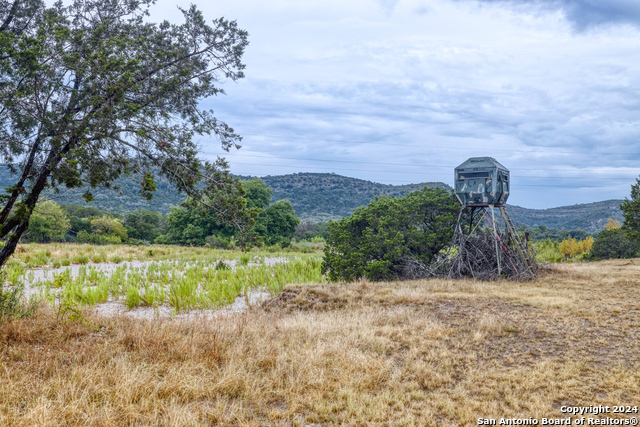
(125, 201)
(323, 196)
(319, 197)
(589, 216)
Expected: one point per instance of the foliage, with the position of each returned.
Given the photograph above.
(320, 197)
(49, 222)
(631, 211)
(375, 239)
(614, 243)
(145, 225)
(194, 224)
(277, 224)
(612, 224)
(93, 91)
(571, 247)
(257, 194)
(107, 226)
(547, 251)
(542, 233)
(308, 230)
(12, 303)
(97, 239)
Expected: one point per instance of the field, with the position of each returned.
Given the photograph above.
(431, 352)
(173, 277)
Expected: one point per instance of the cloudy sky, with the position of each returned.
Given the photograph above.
(402, 91)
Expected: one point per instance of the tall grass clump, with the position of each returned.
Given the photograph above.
(13, 302)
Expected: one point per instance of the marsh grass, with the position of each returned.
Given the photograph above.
(38, 254)
(422, 353)
(184, 285)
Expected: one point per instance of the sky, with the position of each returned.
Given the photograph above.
(401, 92)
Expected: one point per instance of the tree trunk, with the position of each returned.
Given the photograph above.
(16, 227)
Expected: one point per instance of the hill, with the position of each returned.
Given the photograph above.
(322, 196)
(589, 216)
(124, 201)
(319, 197)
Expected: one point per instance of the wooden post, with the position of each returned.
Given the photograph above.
(495, 235)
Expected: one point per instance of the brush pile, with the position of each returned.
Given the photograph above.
(474, 256)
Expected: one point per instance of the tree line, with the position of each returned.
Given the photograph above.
(191, 224)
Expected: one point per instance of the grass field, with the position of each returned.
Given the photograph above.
(431, 352)
(182, 278)
(56, 255)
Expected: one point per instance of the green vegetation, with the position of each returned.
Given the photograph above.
(192, 224)
(614, 243)
(631, 211)
(48, 223)
(569, 249)
(182, 285)
(277, 224)
(542, 232)
(317, 198)
(93, 91)
(375, 240)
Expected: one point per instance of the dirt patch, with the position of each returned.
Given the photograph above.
(306, 299)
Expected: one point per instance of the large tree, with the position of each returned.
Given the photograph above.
(92, 91)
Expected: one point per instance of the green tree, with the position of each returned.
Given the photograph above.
(631, 211)
(145, 225)
(193, 224)
(258, 195)
(47, 223)
(277, 224)
(80, 219)
(92, 91)
(613, 243)
(108, 226)
(375, 240)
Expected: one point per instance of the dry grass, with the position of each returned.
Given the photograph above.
(406, 353)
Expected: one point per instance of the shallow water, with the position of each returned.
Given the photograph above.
(117, 307)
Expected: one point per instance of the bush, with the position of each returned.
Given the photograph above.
(613, 243)
(218, 242)
(277, 224)
(12, 303)
(375, 240)
(97, 239)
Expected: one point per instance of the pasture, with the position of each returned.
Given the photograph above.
(427, 352)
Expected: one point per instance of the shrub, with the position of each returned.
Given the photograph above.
(218, 242)
(613, 243)
(98, 239)
(80, 259)
(11, 303)
(375, 240)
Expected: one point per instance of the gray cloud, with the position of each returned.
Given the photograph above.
(583, 14)
(388, 94)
